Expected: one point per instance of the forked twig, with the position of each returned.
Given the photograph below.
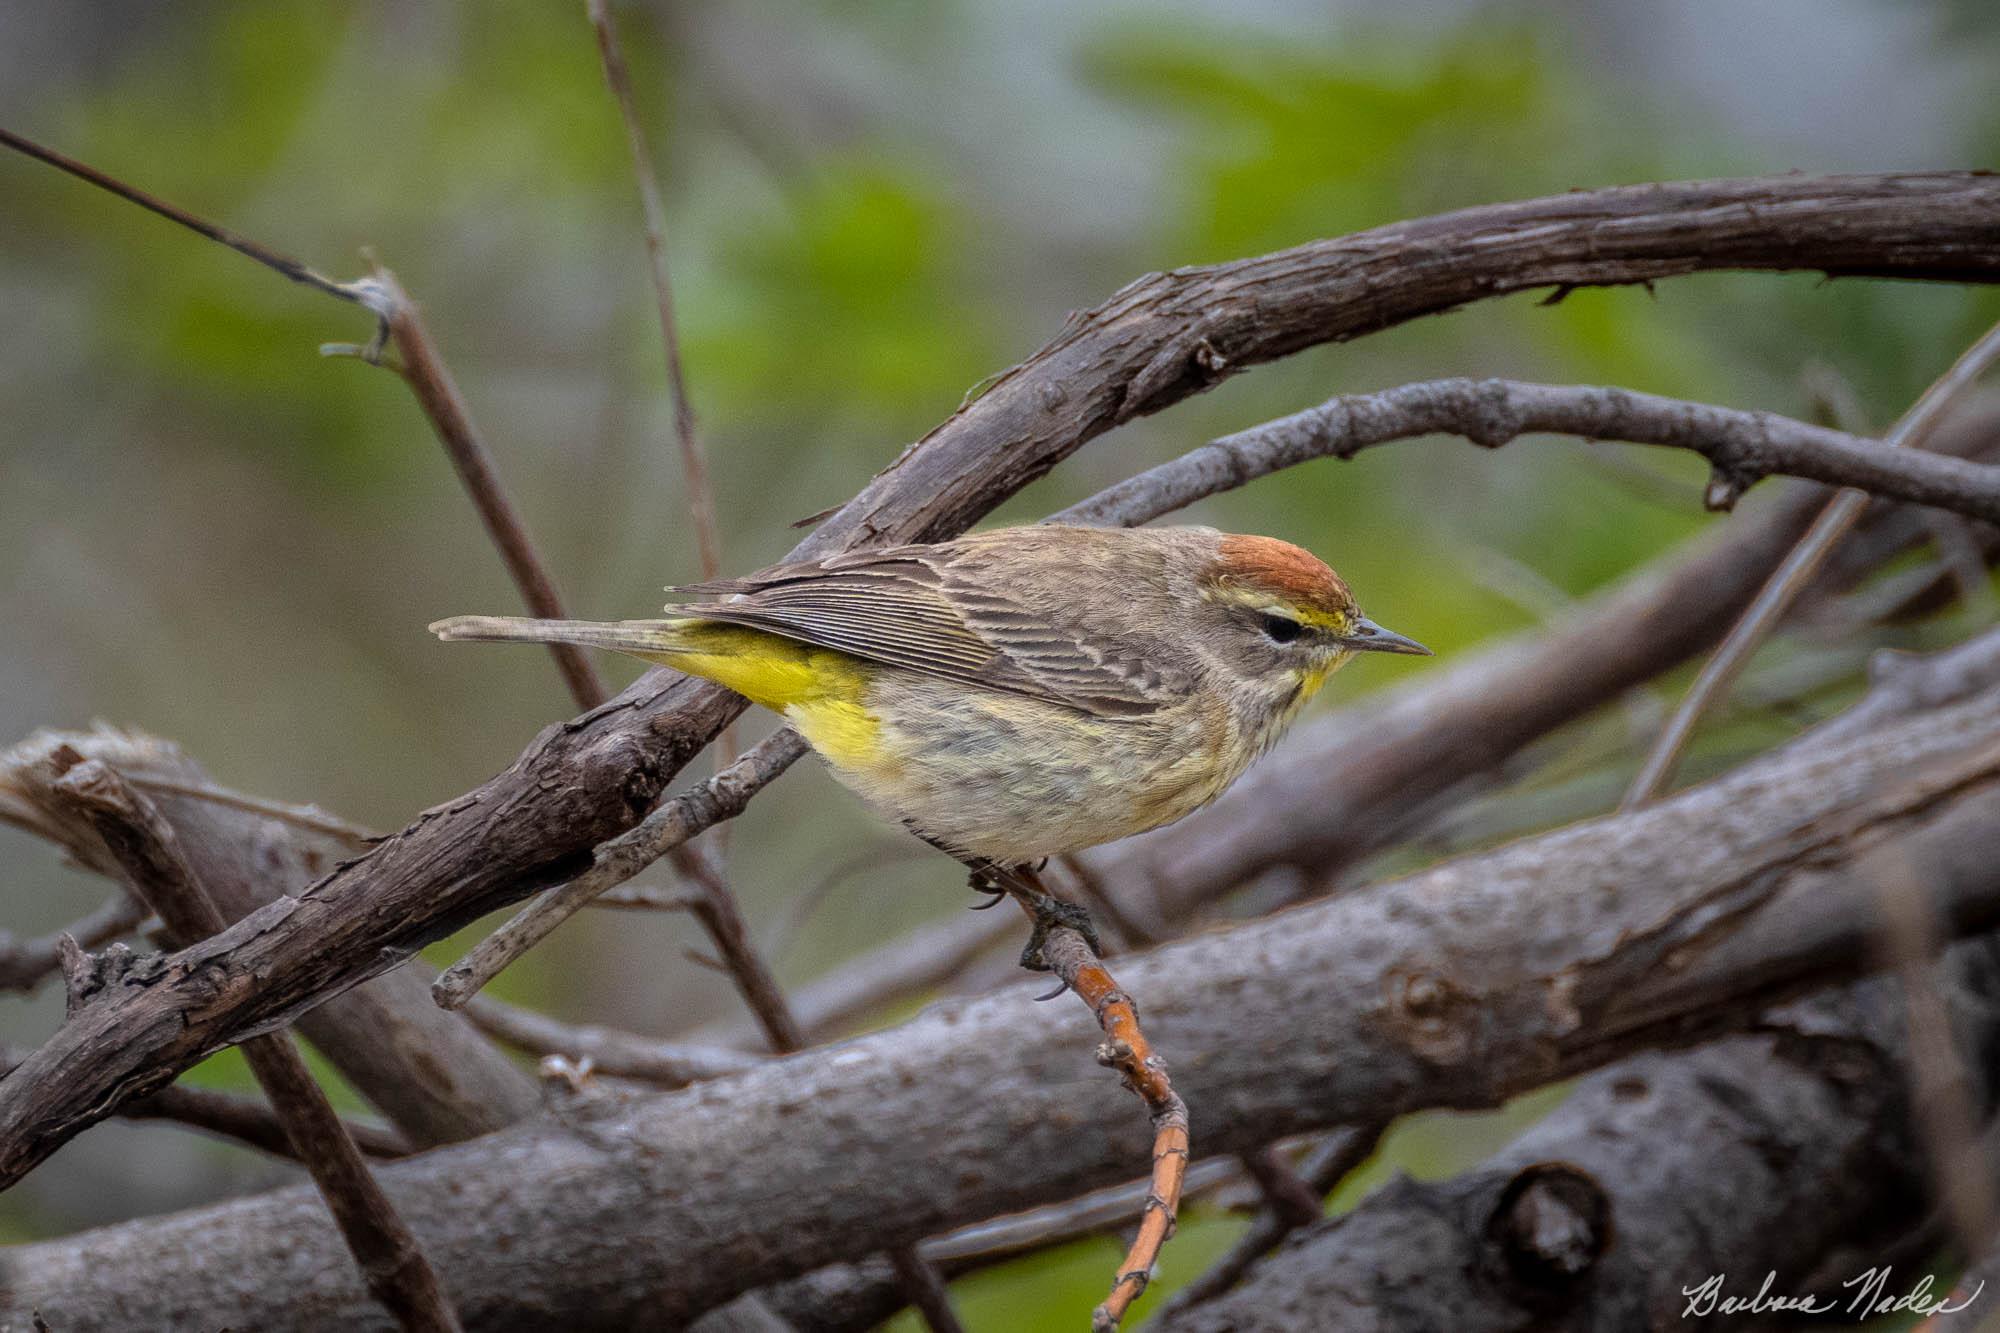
(1127, 1051)
(671, 824)
(420, 367)
(1797, 569)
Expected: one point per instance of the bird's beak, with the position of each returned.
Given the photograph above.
(1369, 637)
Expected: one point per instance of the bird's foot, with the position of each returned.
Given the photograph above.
(1051, 913)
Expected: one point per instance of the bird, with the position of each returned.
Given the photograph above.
(1019, 693)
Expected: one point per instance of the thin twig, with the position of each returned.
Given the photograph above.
(670, 824)
(1957, 546)
(421, 368)
(424, 370)
(242, 1119)
(242, 245)
(1126, 1050)
(1791, 577)
(671, 1064)
(1741, 446)
(701, 498)
(25, 964)
(308, 817)
(647, 898)
(148, 851)
(1323, 1169)
(715, 907)
(694, 460)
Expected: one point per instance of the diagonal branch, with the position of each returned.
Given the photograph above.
(430, 381)
(694, 464)
(393, 1266)
(1911, 432)
(429, 1072)
(1159, 340)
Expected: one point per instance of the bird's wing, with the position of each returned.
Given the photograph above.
(925, 609)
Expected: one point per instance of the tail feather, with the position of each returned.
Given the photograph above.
(644, 637)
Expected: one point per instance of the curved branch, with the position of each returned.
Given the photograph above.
(1743, 446)
(1155, 342)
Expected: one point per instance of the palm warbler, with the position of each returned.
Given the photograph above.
(1021, 693)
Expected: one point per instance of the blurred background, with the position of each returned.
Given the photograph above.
(210, 533)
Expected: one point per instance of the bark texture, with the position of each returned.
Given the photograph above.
(1757, 1154)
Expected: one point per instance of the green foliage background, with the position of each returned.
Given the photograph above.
(210, 533)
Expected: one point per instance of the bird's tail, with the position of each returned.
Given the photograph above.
(645, 638)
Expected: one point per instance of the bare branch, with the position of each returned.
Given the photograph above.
(675, 821)
(694, 465)
(1746, 446)
(1789, 580)
(1657, 1175)
(619, 1054)
(428, 1071)
(430, 381)
(386, 1252)
(242, 245)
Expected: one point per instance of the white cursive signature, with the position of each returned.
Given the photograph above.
(1871, 1297)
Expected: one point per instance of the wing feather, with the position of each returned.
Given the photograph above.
(923, 608)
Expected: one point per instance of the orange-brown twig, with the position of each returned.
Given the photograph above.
(1126, 1050)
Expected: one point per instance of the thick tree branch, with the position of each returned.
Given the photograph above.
(428, 1071)
(1154, 343)
(1462, 985)
(1756, 1154)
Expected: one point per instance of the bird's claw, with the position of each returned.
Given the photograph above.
(982, 880)
(1052, 913)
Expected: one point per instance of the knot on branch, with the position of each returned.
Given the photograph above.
(1551, 1225)
(1492, 418)
(1431, 1014)
(87, 975)
(1188, 362)
(1726, 485)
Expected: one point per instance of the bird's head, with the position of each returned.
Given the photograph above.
(1278, 613)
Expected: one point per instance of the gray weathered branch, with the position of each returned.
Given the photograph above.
(1757, 1154)
(1743, 446)
(428, 1071)
(1458, 986)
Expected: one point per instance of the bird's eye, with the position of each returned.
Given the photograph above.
(1280, 629)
